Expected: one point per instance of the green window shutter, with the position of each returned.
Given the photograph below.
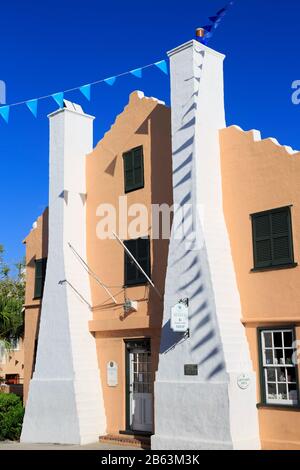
(282, 237)
(140, 249)
(262, 241)
(133, 169)
(40, 272)
(272, 238)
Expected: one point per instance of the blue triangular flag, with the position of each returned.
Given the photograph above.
(208, 27)
(110, 81)
(137, 73)
(4, 112)
(86, 91)
(221, 12)
(208, 35)
(162, 65)
(213, 18)
(59, 98)
(32, 105)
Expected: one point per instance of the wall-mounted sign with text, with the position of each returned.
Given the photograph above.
(180, 318)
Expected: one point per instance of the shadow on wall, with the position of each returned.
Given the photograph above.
(190, 259)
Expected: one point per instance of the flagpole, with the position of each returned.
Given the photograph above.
(137, 264)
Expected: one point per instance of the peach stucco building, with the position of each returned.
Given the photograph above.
(99, 341)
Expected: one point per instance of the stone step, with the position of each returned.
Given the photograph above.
(134, 440)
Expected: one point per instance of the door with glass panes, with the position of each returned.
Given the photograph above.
(139, 387)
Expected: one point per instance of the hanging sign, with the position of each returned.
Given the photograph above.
(180, 318)
(112, 374)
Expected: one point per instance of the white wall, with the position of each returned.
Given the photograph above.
(207, 411)
(65, 403)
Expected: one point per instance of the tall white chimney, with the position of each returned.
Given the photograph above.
(216, 407)
(65, 403)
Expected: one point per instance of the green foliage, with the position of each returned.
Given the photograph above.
(12, 292)
(11, 416)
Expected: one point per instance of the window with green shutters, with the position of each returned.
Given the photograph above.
(133, 169)
(40, 272)
(140, 249)
(272, 238)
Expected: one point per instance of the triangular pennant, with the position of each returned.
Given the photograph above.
(137, 73)
(86, 91)
(208, 27)
(213, 18)
(208, 35)
(222, 11)
(110, 81)
(162, 65)
(59, 98)
(32, 106)
(4, 112)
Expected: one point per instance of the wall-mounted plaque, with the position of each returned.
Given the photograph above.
(243, 381)
(180, 318)
(112, 374)
(190, 369)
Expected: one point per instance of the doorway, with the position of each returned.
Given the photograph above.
(139, 386)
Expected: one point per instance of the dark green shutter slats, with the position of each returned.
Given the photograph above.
(272, 238)
(140, 249)
(133, 169)
(40, 272)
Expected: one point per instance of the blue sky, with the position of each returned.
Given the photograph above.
(54, 45)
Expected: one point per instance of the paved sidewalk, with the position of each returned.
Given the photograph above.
(11, 445)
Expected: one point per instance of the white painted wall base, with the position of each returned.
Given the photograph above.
(65, 403)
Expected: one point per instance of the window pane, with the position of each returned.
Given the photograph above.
(288, 338)
(269, 356)
(281, 374)
(278, 339)
(271, 377)
(272, 392)
(291, 374)
(282, 392)
(293, 395)
(268, 340)
(288, 356)
(279, 359)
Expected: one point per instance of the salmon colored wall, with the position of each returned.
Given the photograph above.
(36, 248)
(12, 362)
(143, 122)
(258, 175)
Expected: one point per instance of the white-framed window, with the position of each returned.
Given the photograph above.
(15, 344)
(279, 374)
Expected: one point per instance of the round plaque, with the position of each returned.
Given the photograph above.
(243, 381)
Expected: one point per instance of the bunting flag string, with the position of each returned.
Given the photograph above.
(85, 90)
(215, 22)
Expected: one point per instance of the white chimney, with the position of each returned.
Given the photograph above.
(216, 408)
(65, 403)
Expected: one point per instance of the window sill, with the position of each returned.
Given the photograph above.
(280, 406)
(133, 189)
(273, 268)
(135, 284)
